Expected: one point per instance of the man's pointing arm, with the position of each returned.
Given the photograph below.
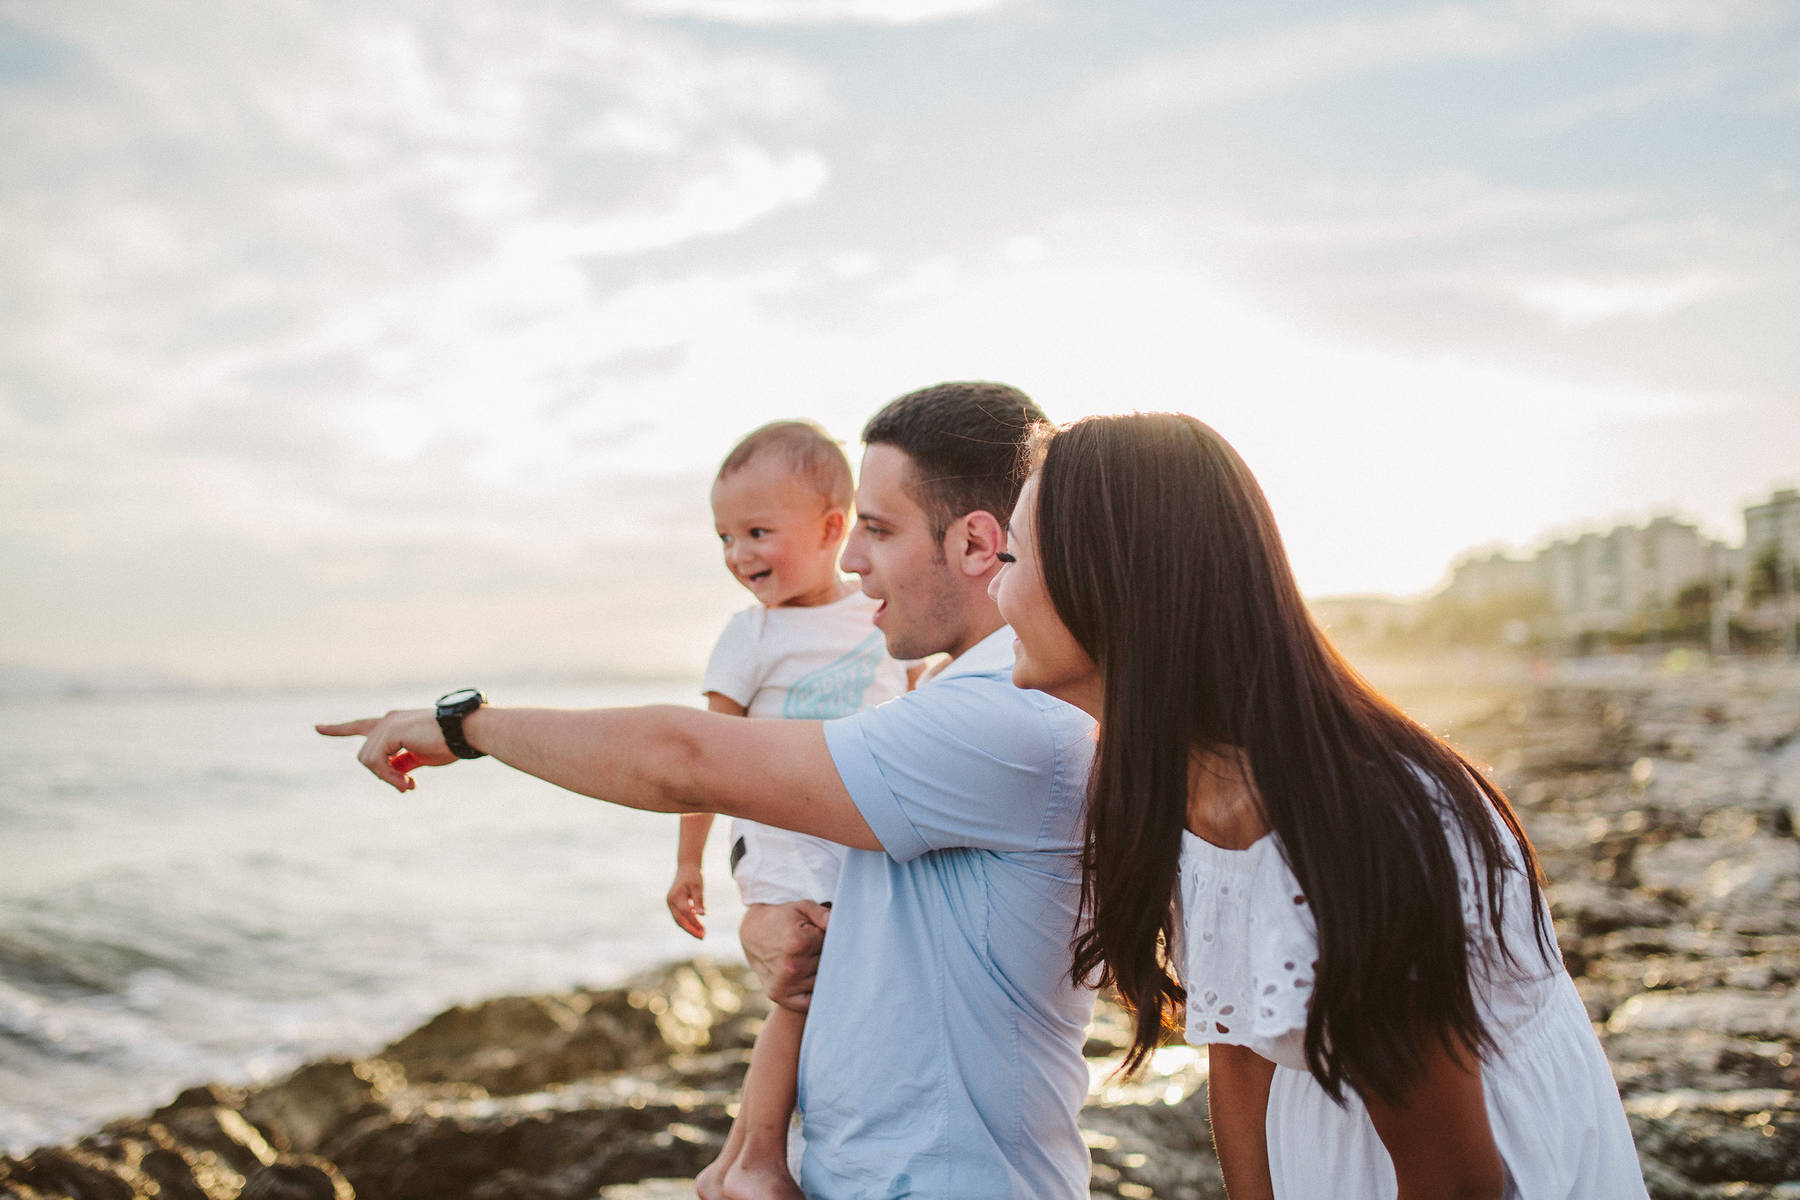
(661, 759)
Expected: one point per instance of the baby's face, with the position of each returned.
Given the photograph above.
(778, 538)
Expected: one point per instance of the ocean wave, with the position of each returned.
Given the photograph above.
(57, 966)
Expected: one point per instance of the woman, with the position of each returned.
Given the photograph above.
(1348, 910)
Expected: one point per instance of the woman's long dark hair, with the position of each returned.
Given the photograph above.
(1161, 556)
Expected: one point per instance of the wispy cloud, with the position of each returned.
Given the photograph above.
(1585, 301)
(217, 199)
(1685, 85)
(748, 183)
(1247, 66)
(818, 12)
(1345, 214)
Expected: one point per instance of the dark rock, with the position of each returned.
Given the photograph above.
(511, 1151)
(1720, 1137)
(71, 1174)
(298, 1178)
(204, 1121)
(299, 1113)
(521, 1044)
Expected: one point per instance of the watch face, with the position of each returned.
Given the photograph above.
(455, 699)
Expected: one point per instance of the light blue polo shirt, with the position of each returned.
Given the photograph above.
(942, 1057)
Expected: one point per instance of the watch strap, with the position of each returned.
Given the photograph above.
(450, 721)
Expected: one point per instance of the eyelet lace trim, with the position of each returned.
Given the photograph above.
(1250, 946)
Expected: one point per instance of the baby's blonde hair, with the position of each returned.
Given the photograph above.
(806, 449)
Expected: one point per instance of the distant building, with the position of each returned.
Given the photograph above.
(1361, 619)
(1628, 578)
(1769, 567)
(1480, 581)
(1773, 526)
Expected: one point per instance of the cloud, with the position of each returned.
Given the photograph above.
(748, 183)
(342, 311)
(1584, 301)
(1255, 65)
(322, 206)
(1435, 206)
(1687, 85)
(1248, 66)
(818, 12)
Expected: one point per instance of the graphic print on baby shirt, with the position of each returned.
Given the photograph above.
(836, 689)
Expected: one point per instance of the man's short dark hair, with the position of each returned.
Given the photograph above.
(964, 441)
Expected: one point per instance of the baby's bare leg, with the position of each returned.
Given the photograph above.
(759, 1169)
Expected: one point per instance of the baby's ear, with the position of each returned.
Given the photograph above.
(836, 522)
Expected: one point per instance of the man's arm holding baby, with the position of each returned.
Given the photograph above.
(660, 759)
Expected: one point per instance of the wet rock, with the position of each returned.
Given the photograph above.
(1723, 873)
(74, 1174)
(1723, 1011)
(302, 1111)
(1595, 908)
(516, 1151)
(649, 1189)
(208, 1122)
(1719, 1137)
(298, 1178)
(521, 1044)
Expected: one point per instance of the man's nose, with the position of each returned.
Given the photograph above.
(851, 558)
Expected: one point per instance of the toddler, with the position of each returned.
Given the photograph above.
(807, 649)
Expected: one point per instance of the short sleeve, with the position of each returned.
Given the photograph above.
(963, 762)
(1249, 948)
(1284, 951)
(733, 670)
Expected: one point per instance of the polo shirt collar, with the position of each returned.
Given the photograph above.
(992, 655)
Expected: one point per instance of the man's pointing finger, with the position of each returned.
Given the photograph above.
(348, 728)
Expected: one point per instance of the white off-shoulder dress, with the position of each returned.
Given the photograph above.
(1249, 944)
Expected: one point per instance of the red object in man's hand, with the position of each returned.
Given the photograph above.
(404, 761)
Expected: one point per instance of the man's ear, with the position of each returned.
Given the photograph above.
(982, 538)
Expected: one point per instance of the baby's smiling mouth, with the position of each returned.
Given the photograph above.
(759, 576)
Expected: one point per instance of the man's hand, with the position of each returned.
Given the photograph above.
(782, 943)
(687, 900)
(395, 744)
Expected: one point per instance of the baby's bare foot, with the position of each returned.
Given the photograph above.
(710, 1183)
(760, 1181)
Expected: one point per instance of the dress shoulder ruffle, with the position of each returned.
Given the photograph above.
(1250, 946)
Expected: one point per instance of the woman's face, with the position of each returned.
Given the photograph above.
(1047, 657)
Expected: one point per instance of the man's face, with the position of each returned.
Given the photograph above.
(900, 563)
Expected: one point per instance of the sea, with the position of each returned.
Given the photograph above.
(196, 887)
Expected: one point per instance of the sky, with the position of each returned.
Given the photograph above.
(377, 340)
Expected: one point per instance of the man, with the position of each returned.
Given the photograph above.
(942, 1056)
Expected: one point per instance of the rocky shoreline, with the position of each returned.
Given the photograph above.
(1663, 805)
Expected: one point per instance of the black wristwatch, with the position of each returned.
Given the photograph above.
(451, 709)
